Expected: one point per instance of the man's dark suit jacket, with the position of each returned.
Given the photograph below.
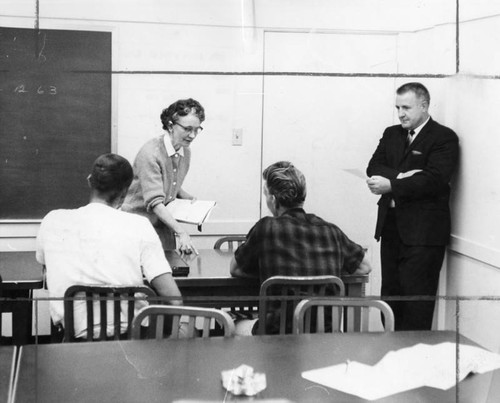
(422, 200)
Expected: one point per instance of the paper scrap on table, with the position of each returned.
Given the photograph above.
(243, 381)
(356, 172)
(409, 368)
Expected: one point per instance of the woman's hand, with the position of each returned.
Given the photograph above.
(185, 244)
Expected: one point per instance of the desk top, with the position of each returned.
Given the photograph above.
(20, 270)
(169, 370)
(214, 264)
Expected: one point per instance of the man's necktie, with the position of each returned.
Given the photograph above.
(409, 139)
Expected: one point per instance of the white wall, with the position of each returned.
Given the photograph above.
(358, 52)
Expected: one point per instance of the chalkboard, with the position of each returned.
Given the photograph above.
(55, 117)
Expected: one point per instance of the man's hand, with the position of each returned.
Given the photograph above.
(379, 185)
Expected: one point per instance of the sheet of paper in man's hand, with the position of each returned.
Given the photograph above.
(356, 172)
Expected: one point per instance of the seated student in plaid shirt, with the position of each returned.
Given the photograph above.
(292, 242)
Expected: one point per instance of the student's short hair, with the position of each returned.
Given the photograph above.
(419, 89)
(286, 183)
(182, 107)
(111, 175)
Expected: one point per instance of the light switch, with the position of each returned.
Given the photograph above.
(237, 137)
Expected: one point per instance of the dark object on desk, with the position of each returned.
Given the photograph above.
(102, 294)
(179, 267)
(55, 98)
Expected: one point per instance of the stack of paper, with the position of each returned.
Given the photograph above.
(438, 366)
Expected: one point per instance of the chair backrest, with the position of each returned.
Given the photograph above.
(106, 297)
(230, 242)
(199, 322)
(339, 309)
(279, 295)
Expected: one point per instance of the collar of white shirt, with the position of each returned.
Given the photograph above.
(417, 129)
(170, 148)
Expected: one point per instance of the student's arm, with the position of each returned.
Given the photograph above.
(236, 271)
(166, 286)
(364, 267)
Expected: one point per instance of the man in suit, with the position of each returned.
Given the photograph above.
(411, 170)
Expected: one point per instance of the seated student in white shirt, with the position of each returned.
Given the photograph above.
(99, 244)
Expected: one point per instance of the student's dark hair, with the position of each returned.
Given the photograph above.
(286, 183)
(417, 88)
(182, 107)
(111, 175)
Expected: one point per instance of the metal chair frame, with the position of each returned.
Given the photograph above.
(339, 306)
(102, 294)
(156, 315)
(292, 290)
(233, 242)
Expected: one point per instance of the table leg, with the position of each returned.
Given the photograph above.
(22, 320)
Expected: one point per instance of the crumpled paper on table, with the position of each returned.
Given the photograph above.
(243, 381)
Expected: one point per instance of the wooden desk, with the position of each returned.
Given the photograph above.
(21, 274)
(209, 282)
(209, 276)
(7, 371)
(168, 370)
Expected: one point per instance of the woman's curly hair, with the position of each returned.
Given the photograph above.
(182, 107)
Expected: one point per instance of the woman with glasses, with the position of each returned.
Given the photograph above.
(159, 171)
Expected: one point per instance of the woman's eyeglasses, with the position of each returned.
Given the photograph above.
(190, 129)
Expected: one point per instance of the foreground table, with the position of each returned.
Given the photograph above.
(170, 370)
(21, 274)
(7, 371)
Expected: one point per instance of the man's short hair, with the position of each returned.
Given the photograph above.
(111, 175)
(419, 89)
(286, 183)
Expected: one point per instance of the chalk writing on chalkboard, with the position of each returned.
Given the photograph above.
(40, 90)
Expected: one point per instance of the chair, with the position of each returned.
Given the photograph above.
(103, 296)
(232, 241)
(156, 315)
(283, 293)
(302, 317)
